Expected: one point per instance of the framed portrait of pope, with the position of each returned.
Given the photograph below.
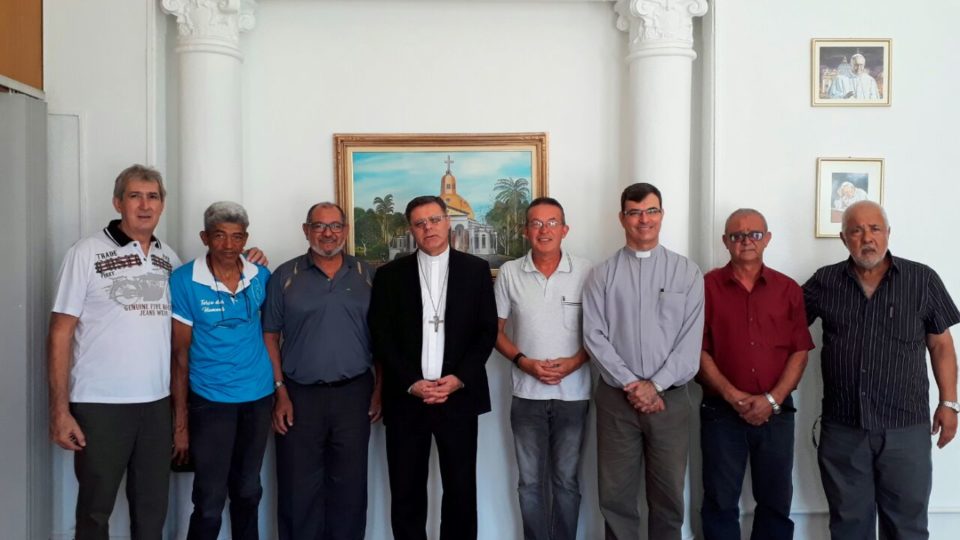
(851, 72)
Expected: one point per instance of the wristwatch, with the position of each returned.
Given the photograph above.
(773, 403)
(952, 405)
(657, 387)
(277, 385)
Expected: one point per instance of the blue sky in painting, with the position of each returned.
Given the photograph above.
(409, 174)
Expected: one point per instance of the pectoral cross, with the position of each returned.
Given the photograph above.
(436, 322)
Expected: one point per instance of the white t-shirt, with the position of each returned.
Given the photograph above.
(121, 346)
(546, 317)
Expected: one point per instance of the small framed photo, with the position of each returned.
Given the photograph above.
(842, 182)
(850, 72)
(486, 180)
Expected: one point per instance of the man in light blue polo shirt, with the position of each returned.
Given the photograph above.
(539, 296)
(219, 354)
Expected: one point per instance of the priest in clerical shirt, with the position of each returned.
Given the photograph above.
(643, 326)
(433, 320)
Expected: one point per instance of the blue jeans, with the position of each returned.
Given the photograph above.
(727, 441)
(227, 442)
(548, 435)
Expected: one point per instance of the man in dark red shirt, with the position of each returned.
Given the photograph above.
(755, 343)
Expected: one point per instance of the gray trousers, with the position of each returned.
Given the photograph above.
(131, 438)
(629, 443)
(869, 472)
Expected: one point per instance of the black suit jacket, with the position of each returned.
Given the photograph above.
(470, 326)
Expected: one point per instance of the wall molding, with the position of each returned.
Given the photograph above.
(22, 88)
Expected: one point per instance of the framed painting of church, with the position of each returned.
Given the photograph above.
(486, 180)
(850, 72)
(842, 182)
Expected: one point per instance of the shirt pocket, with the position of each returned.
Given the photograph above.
(670, 309)
(572, 313)
(777, 330)
(905, 326)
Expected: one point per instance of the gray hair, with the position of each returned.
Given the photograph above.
(745, 212)
(224, 212)
(139, 172)
(861, 204)
(326, 204)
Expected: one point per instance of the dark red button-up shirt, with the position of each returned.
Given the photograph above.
(750, 335)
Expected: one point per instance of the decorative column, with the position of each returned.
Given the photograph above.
(659, 103)
(210, 135)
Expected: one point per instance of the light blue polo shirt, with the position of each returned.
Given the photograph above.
(228, 359)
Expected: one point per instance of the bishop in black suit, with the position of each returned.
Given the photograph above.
(433, 321)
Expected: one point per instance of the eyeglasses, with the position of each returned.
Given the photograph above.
(319, 226)
(537, 224)
(232, 322)
(737, 237)
(651, 212)
(422, 223)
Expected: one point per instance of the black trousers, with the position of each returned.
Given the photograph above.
(322, 462)
(131, 438)
(408, 459)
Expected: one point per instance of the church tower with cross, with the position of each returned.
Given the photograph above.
(456, 205)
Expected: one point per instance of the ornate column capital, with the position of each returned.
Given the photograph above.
(211, 25)
(659, 27)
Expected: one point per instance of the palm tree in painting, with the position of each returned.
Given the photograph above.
(514, 194)
(384, 208)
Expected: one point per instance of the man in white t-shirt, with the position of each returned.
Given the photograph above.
(109, 362)
(539, 296)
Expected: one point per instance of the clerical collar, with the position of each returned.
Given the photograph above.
(641, 254)
(426, 257)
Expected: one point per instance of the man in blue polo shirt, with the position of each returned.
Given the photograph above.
(318, 303)
(221, 363)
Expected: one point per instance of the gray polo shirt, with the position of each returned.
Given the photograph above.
(323, 320)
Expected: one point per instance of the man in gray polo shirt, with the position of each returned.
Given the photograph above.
(322, 371)
(539, 296)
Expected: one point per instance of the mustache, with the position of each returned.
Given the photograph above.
(327, 252)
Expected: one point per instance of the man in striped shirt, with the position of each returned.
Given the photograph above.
(881, 314)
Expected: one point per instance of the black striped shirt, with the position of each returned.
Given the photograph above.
(874, 349)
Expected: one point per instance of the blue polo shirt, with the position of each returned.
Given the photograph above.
(228, 359)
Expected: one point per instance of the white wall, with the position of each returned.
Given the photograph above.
(103, 92)
(767, 139)
(313, 68)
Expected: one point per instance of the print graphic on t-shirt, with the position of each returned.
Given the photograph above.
(146, 293)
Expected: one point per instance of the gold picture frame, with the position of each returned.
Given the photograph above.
(842, 181)
(486, 180)
(838, 79)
